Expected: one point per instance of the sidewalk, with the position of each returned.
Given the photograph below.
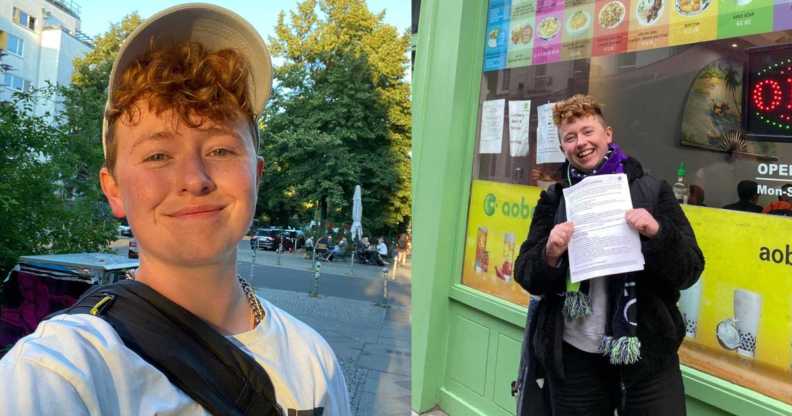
(371, 343)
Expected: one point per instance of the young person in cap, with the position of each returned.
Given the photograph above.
(180, 139)
(608, 343)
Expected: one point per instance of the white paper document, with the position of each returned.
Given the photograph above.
(602, 243)
(548, 149)
(519, 127)
(492, 126)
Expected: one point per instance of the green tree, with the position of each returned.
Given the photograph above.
(50, 201)
(84, 102)
(37, 214)
(339, 116)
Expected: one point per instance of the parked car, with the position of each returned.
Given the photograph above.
(40, 285)
(133, 252)
(125, 230)
(266, 239)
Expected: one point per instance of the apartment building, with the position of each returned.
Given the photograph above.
(42, 38)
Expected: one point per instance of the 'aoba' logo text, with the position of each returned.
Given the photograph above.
(508, 208)
(776, 255)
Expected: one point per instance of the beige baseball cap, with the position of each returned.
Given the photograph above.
(212, 26)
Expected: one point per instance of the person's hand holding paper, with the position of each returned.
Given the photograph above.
(557, 242)
(642, 221)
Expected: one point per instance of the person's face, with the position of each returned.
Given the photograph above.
(785, 196)
(584, 141)
(189, 194)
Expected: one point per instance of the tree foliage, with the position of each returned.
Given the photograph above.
(38, 214)
(84, 102)
(339, 116)
(50, 201)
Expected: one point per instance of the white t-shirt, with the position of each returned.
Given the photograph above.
(585, 333)
(78, 365)
(382, 249)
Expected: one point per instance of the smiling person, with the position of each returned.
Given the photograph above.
(611, 342)
(186, 334)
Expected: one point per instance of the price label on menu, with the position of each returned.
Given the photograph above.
(745, 17)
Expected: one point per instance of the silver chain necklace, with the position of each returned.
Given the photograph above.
(255, 304)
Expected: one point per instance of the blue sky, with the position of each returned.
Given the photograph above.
(97, 15)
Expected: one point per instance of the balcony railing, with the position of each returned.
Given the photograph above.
(69, 6)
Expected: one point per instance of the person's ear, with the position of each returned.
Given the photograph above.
(609, 132)
(112, 193)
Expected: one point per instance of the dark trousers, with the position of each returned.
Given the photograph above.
(594, 387)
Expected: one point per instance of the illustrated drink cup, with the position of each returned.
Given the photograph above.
(689, 302)
(747, 312)
(505, 270)
(482, 259)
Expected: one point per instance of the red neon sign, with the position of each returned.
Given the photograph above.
(766, 95)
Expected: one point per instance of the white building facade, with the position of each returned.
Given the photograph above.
(42, 40)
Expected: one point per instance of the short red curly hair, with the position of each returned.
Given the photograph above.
(186, 78)
(575, 107)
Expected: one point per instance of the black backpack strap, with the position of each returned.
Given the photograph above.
(194, 356)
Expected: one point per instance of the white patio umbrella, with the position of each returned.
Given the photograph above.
(357, 216)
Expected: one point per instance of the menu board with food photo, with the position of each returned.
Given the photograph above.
(648, 24)
(521, 40)
(527, 32)
(693, 21)
(578, 28)
(498, 221)
(744, 17)
(495, 40)
(547, 44)
(610, 27)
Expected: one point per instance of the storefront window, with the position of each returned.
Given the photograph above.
(702, 85)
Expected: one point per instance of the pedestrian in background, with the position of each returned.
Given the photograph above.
(402, 246)
(748, 195)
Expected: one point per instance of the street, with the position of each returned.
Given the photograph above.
(372, 342)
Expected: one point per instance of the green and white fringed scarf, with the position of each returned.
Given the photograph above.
(622, 346)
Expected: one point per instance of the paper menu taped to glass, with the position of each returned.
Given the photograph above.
(602, 243)
(519, 127)
(492, 126)
(548, 148)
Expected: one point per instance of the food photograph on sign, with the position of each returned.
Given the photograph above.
(612, 15)
(522, 35)
(549, 27)
(649, 12)
(492, 37)
(691, 7)
(578, 22)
